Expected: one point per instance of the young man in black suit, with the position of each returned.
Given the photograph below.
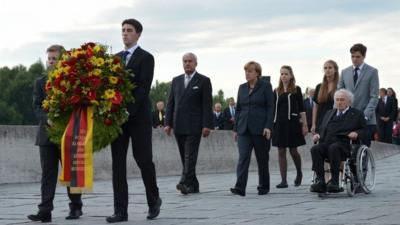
(140, 64)
(229, 115)
(189, 114)
(386, 113)
(50, 153)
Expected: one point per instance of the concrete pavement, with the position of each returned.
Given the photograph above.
(215, 205)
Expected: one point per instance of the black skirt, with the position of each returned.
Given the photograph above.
(288, 134)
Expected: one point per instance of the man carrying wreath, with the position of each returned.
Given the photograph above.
(138, 128)
(49, 152)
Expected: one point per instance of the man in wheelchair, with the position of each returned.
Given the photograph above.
(338, 127)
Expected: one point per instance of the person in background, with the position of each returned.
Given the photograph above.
(229, 115)
(386, 114)
(159, 115)
(290, 124)
(218, 117)
(308, 106)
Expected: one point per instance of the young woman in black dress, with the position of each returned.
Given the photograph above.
(290, 123)
(323, 97)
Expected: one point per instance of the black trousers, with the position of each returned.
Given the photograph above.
(335, 152)
(140, 134)
(261, 146)
(189, 149)
(385, 131)
(50, 156)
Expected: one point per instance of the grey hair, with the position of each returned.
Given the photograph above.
(191, 55)
(347, 93)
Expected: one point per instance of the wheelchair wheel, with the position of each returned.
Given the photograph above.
(365, 169)
(350, 185)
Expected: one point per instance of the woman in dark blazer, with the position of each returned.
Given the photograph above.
(290, 123)
(253, 116)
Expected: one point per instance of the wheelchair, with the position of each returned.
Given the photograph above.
(357, 172)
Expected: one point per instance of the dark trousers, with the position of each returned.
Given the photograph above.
(335, 152)
(385, 131)
(369, 133)
(49, 158)
(143, 155)
(261, 146)
(189, 149)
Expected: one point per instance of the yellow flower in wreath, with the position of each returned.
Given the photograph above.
(113, 79)
(109, 93)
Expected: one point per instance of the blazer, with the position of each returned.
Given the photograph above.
(228, 124)
(141, 68)
(218, 121)
(156, 118)
(39, 94)
(386, 110)
(353, 120)
(365, 91)
(309, 109)
(254, 111)
(189, 109)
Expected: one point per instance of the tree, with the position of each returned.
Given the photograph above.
(220, 98)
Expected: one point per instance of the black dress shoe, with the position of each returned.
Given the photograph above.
(74, 214)
(188, 189)
(237, 191)
(297, 181)
(179, 186)
(117, 218)
(319, 187)
(282, 185)
(262, 191)
(333, 188)
(43, 217)
(155, 210)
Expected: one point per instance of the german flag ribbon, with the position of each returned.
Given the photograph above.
(77, 151)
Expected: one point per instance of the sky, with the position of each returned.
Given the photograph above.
(224, 34)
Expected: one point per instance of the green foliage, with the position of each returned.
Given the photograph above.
(16, 85)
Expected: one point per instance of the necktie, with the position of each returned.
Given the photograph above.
(340, 114)
(124, 56)
(187, 79)
(160, 115)
(232, 112)
(355, 77)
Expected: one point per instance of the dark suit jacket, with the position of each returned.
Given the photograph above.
(189, 109)
(156, 118)
(309, 108)
(353, 120)
(254, 111)
(228, 124)
(386, 110)
(218, 121)
(39, 94)
(141, 67)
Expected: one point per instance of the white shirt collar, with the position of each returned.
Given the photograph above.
(190, 75)
(132, 49)
(360, 67)
(344, 111)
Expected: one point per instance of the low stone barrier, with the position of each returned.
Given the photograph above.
(19, 157)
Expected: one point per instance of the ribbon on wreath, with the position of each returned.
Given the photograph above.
(77, 151)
